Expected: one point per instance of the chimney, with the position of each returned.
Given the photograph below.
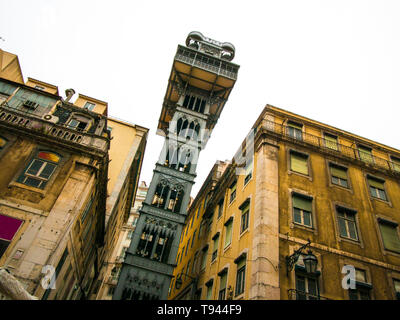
(69, 93)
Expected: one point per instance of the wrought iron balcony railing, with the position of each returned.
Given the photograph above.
(207, 63)
(57, 131)
(331, 147)
(301, 295)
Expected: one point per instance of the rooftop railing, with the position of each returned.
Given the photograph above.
(207, 63)
(330, 146)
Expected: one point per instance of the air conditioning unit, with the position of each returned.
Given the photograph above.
(50, 118)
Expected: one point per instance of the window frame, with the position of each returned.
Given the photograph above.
(22, 174)
(395, 225)
(302, 210)
(332, 175)
(290, 124)
(333, 136)
(355, 221)
(301, 155)
(370, 187)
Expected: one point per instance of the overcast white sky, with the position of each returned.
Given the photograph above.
(333, 61)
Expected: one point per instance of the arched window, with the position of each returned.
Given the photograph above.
(175, 200)
(40, 169)
(160, 195)
(184, 160)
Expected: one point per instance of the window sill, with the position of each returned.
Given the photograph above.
(228, 247)
(300, 174)
(239, 296)
(352, 241)
(301, 226)
(26, 187)
(245, 185)
(340, 187)
(381, 200)
(243, 233)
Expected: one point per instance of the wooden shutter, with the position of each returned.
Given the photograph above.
(390, 236)
(299, 163)
(339, 172)
(302, 203)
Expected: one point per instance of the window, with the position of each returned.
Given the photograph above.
(78, 123)
(331, 141)
(339, 175)
(232, 193)
(244, 220)
(249, 172)
(193, 239)
(8, 228)
(130, 234)
(396, 285)
(198, 212)
(377, 188)
(347, 223)
(187, 247)
(302, 209)
(299, 162)
(228, 232)
(89, 106)
(220, 207)
(365, 154)
(395, 164)
(204, 258)
(215, 247)
(222, 286)
(40, 169)
(390, 236)
(362, 291)
(240, 276)
(295, 130)
(306, 287)
(209, 286)
(194, 103)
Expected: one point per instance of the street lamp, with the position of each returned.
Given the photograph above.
(310, 260)
(179, 282)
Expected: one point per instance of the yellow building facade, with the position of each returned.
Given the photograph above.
(295, 185)
(70, 175)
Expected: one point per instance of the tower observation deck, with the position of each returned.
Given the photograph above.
(200, 82)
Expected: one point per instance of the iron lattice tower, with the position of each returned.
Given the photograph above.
(201, 80)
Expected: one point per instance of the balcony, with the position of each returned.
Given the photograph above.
(330, 147)
(294, 294)
(58, 132)
(205, 62)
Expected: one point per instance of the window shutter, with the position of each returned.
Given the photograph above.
(376, 183)
(339, 172)
(299, 163)
(295, 125)
(331, 142)
(302, 203)
(222, 284)
(228, 235)
(390, 237)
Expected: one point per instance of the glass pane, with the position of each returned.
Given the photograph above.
(47, 171)
(342, 227)
(312, 288)
(382, 194)
(343, 183)
(352, 230)
(34, 167)
(32, 182)
(307, 218)
(297, 215)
